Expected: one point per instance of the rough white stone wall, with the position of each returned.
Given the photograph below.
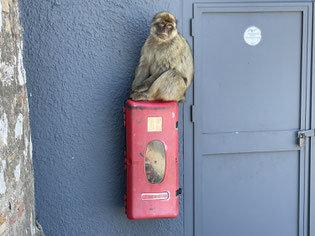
(17, 214)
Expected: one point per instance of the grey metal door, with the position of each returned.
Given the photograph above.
(251, 97)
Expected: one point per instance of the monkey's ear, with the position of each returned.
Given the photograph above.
(176, 21)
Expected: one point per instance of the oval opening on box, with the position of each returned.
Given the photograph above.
(155, 162)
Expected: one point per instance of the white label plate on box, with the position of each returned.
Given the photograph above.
(154, 124)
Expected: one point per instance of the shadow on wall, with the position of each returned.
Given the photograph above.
(80, 57)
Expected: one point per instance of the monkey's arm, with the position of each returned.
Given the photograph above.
(142, 72)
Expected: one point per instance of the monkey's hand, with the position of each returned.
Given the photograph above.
(142, 88)
(147, 83)
(137, 96)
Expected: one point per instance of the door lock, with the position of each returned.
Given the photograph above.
(302, 135)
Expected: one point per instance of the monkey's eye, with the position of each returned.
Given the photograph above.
(161, 24)
(169, 27)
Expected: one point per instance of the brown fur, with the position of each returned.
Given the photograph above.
(165, 68)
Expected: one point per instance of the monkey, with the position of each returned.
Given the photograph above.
(165, 68)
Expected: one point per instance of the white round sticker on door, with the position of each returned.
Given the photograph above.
(252, 36)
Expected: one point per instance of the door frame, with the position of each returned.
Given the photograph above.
(311, 219)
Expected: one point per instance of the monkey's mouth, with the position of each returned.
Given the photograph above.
(163, 35)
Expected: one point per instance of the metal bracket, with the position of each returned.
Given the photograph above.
(192, 113)
(192, 27)
(303, 134)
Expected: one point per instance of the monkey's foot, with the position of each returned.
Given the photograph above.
(137, 96)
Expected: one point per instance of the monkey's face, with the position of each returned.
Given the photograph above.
(164, 30)
(164, 26)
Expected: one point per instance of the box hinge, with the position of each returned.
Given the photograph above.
(178, 192)
(303, 134)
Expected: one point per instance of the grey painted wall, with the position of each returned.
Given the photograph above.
(80, 58)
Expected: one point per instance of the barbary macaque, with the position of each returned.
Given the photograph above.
(165, 68)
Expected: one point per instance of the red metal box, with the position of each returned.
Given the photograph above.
(151, 159)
